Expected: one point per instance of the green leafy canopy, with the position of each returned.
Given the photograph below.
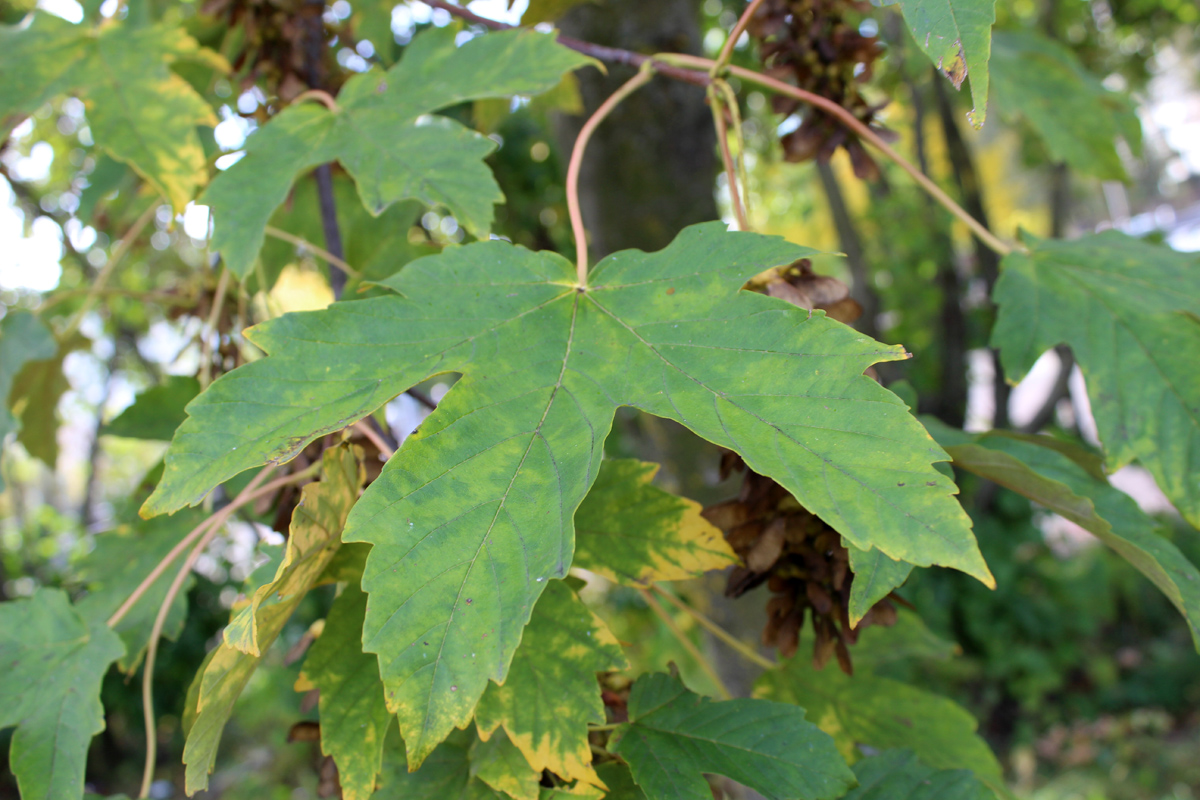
(139, 111)
(1077, 119)
(382, 133)
(474, 514)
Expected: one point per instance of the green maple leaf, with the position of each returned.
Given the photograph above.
(500, 764)
(551, 693)
(53, 664)
(883, 713)
(475, 513)
(674, 736)
(1070, 482)
(634, 533)
(384, 136)
(1077, 119)
(24, 339)
(354, 718)
(1131, 313)
(139, 111)
(898, 775)
(312, 542)
(957, 37)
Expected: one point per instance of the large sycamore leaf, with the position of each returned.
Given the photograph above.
(1077, 119)
(1038, 469)
(474, 514)
(122, 558)
(354, 718)
(634, 533)
(898, 775)
(883, 713)
(24, 338)
(51, 666)
(957, 37)
(316, 525)
(139, 111)
(1131, 313)
(675, 736)
(551, 693)
(382, 133)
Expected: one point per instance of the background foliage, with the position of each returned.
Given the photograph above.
(178, 177)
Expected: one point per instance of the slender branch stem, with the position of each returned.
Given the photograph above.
(215, 522)
(199, 530)
(735, 114)
(329, 225)
(716, 630)
(687, 643)
(864, 132)
(600, 728)
(581, 142)
(738, 29)
(312, 248)
(320, 95)
(366, 430)
(716, 103)
(119, 253)
(211, 328)
(670, 64)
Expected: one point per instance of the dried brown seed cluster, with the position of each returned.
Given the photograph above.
(802, 561)
(800, 286)
(813, 45)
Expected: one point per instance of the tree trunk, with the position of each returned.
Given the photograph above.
(650, 167)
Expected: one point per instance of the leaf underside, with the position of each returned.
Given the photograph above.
(312, 542)
(1131, 313)
(1031, 466)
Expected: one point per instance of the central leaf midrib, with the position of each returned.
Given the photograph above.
(428, 721)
